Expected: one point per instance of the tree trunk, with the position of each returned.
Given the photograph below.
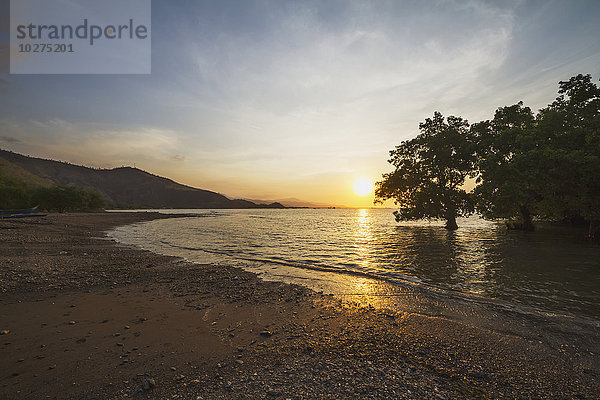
(451, 223)
(527, 222)
(594, 230)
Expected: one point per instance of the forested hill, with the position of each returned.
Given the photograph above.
(121, 187)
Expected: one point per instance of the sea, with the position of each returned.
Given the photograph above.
(364, 255)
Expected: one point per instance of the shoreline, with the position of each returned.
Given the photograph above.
(221, 332)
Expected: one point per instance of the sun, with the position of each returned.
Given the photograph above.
(363, 187)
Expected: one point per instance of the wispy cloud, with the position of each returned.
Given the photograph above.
(9, 139)
(94, 144)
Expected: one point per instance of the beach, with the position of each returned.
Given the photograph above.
(84, 317)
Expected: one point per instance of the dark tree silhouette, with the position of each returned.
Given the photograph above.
(430, 171)
(509, 162)
(570, 128)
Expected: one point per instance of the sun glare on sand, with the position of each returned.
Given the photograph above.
(363, 187)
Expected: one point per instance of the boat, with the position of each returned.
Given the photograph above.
(23, 211)
(26, 212)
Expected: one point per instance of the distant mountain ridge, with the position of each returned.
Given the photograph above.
(296, 203)
(121, 187)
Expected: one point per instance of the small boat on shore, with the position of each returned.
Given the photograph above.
(27, 212)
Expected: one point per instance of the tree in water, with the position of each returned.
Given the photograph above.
(510, 165)
(430, 171)
(570, 127)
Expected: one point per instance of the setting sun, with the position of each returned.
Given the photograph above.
(363, 187)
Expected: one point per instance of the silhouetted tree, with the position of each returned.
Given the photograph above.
(570, 128)
(430, 171)
(545, 166)
(510, 166)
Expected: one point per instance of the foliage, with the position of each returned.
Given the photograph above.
(67, 198)
(430, 171)
(16, 193)
(572, 127)
(509, 165)
(544, 166)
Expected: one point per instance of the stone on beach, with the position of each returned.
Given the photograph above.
(148, 384)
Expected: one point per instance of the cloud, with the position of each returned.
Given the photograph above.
(54, 124)
(9, 139)
(92, 143)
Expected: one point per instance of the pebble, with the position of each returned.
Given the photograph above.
(72, 322)
(5, 332)
(148, 384)
(478, 375)
(265, 333)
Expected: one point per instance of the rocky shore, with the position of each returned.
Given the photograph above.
(84, 318)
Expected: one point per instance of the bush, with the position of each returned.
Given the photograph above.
(67, 198)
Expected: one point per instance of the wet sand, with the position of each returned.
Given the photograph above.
(84, 318)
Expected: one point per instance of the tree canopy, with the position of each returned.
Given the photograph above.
(571, 128)
(527, 167)
(430, 171)
(508, 165)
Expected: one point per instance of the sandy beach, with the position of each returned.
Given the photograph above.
(84, 318)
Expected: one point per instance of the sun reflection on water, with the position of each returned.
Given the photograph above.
(363, 238)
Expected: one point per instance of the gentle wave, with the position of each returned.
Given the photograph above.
(308, 264)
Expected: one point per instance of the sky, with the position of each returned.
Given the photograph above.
(298, 99)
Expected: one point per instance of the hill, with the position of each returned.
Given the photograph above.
(121, 187)
(296, 203)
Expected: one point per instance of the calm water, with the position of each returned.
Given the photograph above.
(550, 270)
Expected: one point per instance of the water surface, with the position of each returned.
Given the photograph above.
(347, 252)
